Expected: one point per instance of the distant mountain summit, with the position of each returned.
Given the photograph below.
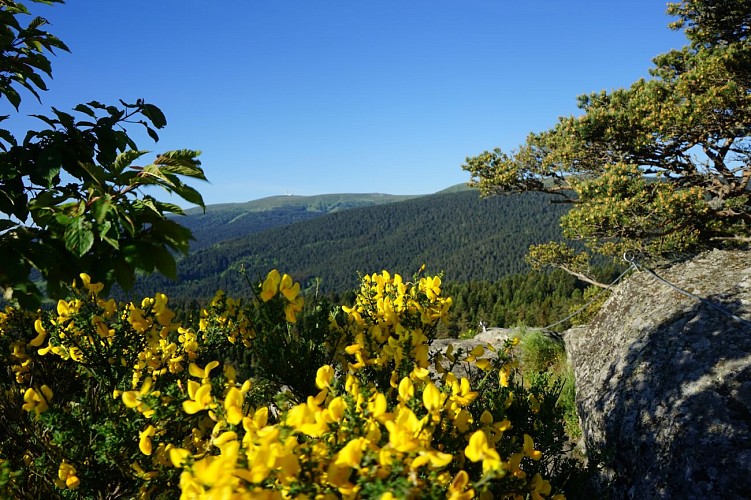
(230, 220)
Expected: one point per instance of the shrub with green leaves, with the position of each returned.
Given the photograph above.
(544, 357)
(72, 190)
(102, 399)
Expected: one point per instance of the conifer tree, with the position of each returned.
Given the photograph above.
(661, 168)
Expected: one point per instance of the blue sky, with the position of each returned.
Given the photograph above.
(313, 96)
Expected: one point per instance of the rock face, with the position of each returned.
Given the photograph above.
(492, 336)
(664, 382)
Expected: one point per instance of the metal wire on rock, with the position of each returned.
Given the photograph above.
(717, 307)
(635, 265)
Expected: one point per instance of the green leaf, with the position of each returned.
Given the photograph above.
(66, 120)
(31, 89)
(6, 136)
(189, 194)
(104, 230)
(100, 208)
(13, 97)
(152, 133)
(85, 109)
(110, 241)
(155, 172)
(49, 121)
(37, 80)
(181, 162)
(37, 22)
(13, 198)
(78, 237)
(126, 221)
(93, 172)
(173, 234)
(164, 261)
(148, 203)
(124, 274)
(39, 61)
(63, 219)
(155, 115)
(44, 200)
(125, 159)
(168, 207)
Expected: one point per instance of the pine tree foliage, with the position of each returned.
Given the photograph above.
(661, 168)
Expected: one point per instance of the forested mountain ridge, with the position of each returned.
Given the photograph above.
(457, 232)
(228, 220)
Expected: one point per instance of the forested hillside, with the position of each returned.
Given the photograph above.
(469, 238)
(534, 298)
(228, 220)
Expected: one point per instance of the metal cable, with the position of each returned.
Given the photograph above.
(633, 264)
(641, 267)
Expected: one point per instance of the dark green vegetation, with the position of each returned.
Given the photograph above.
(541, 354)
(227, 220)
(688, 127)
(496, 287)
(533, 298)
(457, 232)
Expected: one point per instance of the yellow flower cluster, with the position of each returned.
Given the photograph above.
(324, 445)
(385, 412)
(275, 284)
(20, 361)
(393, 321)
(226, 315)
(352, 433)
(37, 401)
(66, 477)
(89, 326)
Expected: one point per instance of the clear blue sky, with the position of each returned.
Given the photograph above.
(328, 96)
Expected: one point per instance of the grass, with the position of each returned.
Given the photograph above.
(540, 352)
